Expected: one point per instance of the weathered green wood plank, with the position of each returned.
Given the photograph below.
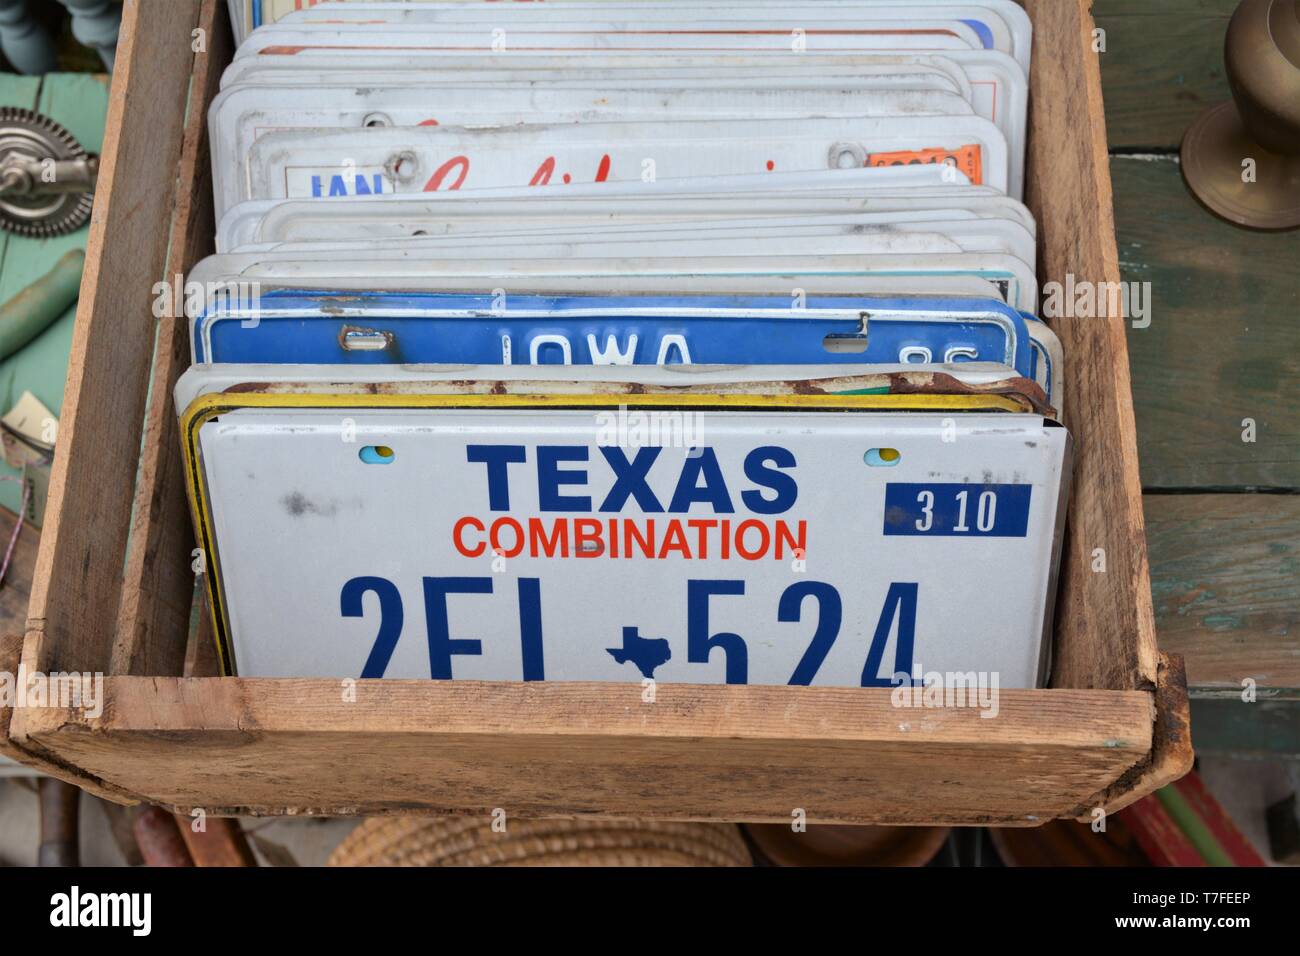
(79, 102)
(1223, 344)
(1265, 729)
(1225, 569)
(1162, 65)
(1225, 576)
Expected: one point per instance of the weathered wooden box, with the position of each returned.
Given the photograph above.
(114, 588)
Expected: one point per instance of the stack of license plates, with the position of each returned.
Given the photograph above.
(624, 341)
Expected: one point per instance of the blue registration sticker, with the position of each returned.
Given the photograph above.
(957, 509)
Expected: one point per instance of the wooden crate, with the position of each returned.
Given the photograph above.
(114, 589)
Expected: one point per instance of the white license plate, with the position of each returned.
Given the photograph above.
(603, 37)
(1005, 27)
(405, 269)
(406, 216)
(891, 233)
(774, 539)
(999, 24)
(283, 70)
(240, 223)
(242, 114)
(315, 164)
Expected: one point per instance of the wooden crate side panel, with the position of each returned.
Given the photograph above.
(78, 574)
(757, 753)
(11, 649)
(158, 584)
(1171, 751)
(1105, 632)
(33, 755)
(738, 753)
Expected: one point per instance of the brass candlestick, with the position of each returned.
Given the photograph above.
(1241, 159)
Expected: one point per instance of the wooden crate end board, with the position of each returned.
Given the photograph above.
(699, 752)
(34, 756)
(158, 587)
(1171, 754)
(1105, 634)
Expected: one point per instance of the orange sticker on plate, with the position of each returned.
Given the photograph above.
(965, 158)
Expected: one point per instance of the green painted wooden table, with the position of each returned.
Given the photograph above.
(1223, 346)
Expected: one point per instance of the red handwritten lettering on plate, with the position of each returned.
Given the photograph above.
(547, 169)
(544, 171)
(439, 174)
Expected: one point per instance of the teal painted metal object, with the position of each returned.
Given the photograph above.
(95, 24)
(31, 311)
(25, 43)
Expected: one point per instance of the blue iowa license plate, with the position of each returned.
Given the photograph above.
(622, 330)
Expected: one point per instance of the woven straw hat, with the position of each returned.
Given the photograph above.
(466, 841)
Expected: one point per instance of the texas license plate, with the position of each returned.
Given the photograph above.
(841, 540)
